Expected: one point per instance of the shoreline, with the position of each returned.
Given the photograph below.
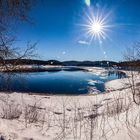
(54, 107)
(110, 86)
(99, 71)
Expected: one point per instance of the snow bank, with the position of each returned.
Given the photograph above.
(111, 115)
(71, 117)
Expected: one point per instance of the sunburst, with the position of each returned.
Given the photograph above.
(96, 26)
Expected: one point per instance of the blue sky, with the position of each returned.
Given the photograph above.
(59, 35)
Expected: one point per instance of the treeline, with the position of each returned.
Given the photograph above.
(55, 62)
(72, 63)
(30, 62)
(135, 65)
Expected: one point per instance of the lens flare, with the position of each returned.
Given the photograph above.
(87, 2)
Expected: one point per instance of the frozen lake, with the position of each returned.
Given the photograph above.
(58, 82)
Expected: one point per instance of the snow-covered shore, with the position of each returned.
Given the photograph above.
(112, 115)
(67, 117)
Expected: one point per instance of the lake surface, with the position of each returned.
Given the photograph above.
(61, 82)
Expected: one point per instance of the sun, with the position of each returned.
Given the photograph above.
(96, 28)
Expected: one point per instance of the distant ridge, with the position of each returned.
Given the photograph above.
(90, 63)
(63, 63)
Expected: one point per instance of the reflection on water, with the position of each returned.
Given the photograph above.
(62, 82)
(7, 81)
(118, 74)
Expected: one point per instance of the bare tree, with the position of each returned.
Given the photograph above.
(11, 12)
(14, 10)
(132, 57)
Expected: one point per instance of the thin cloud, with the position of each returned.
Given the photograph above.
(83, 42)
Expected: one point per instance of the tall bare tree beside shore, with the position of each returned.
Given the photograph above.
(12, 11)
(132, 57)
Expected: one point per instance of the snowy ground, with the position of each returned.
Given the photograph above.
(112, 115)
